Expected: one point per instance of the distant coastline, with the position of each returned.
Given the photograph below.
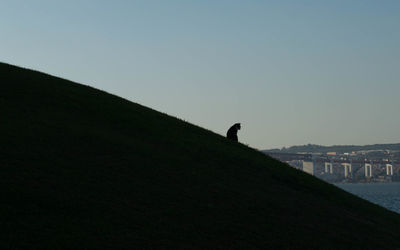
(314, 148)
(378, 163)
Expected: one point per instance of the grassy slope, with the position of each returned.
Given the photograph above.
(82, 168)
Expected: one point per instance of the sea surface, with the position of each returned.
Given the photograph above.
(384, 194)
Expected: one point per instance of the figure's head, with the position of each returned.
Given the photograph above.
(237, 126)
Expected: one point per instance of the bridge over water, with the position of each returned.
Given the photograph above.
(310, 162)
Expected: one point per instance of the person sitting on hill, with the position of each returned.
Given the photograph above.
(232, 132)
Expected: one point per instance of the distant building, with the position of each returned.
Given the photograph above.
(331, 153)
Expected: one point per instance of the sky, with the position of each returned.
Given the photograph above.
(292, 72)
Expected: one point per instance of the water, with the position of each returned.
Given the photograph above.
(384, 194)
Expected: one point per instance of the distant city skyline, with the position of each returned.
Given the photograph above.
(291, 72)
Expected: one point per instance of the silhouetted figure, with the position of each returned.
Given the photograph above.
(232, 132)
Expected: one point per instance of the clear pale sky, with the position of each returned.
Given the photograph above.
(292, 72)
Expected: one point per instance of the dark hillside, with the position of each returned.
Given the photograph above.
(80, 168)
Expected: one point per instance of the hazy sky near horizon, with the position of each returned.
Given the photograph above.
(292, 72)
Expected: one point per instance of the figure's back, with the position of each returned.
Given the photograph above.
(232, 132)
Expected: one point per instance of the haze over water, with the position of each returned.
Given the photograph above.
(384, 194)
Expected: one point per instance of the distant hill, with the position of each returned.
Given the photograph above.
(338, 148)
(80, 168)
